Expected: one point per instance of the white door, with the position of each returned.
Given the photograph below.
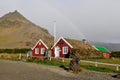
(57, 51)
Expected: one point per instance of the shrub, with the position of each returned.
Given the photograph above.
(16, 50)
(115, 54)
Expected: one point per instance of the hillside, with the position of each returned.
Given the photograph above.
(84, 49)
(18, 32)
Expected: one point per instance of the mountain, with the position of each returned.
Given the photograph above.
(18, 32)
(110, 46)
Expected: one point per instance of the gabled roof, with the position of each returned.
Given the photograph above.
(102, 49)
(41, 42)
(63, 40)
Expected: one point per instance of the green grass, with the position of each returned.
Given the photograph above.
(87, 66)
(111, 61)
(53, 62)
(99, 69)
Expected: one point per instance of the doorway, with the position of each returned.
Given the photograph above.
(57, 51)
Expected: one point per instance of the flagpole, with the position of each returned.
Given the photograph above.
(54, 32)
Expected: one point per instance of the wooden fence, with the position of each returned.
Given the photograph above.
(95, 63)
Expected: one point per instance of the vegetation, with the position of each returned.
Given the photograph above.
(83, 65)
(11, 56)
(16, 50)
(74, 63)
(99, 69)
(87, 53)
(111, 61)
(115, 54)
(103, 67)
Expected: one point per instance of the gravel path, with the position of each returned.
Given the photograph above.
(15, 70)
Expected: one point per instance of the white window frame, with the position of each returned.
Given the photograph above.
(65, 50)
(42, 50)
(36, 50)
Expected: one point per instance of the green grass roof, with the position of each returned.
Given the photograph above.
(102, 49)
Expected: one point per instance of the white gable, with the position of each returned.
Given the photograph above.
(63, 40)
(38, 43)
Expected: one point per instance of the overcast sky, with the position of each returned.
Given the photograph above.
(96, 20)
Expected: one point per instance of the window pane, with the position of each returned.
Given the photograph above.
(42, 50)
(36, 50)
(65, 50)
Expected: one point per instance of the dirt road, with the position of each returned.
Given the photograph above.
(15, 70)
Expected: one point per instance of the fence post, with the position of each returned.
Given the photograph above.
(96, 64)
(117, 67)
(63, 60)
(20, 56)
(50, 58)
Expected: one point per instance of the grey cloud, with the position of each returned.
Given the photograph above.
(96, 20)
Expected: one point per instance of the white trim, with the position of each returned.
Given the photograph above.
(42, 50)
(37, 50)
(95, 48)
(63, 49)
(63, 40)
(41, 42)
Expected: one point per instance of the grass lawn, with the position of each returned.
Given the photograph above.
(84, 65)
(111, 61)
(100, 68)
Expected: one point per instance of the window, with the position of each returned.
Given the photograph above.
(65, 50)
(42, 50)
(36, 50)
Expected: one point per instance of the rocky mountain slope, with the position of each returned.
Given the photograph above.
(18, 32)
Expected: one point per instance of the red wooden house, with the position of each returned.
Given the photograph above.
(39, 49)
(61, 48)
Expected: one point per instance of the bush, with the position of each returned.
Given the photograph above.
(16, 50)
(115, 54)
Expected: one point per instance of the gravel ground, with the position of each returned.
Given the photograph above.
(15, 70)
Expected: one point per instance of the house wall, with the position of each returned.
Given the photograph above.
(39, 45)
(106, 55)
(61, 44)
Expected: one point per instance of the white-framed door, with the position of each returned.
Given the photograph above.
(57, 51)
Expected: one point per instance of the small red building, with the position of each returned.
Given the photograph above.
(39, 49)
(61, 48)
(105, 51)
